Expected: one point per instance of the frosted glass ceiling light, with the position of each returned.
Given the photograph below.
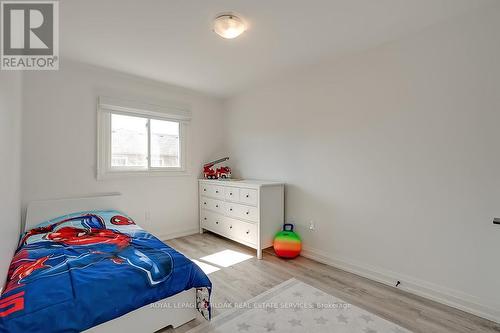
(229, 26)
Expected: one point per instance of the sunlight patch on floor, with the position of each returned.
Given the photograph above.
(226, 258)
(206, 268)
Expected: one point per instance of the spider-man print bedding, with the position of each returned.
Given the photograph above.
(80, 270)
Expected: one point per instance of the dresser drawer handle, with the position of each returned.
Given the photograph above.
(204, 203)
(231, 227)
(216, 206)
(216, 222)
(204, 190)
(248, 212)
(246, 196)
(216, 191)
(248, 232)
(230, 193)
(230, 209)
(205, 218)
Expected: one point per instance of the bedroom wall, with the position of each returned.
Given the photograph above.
(393, 153)
(10, 166)
(59, 142)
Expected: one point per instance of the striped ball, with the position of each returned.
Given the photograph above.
(287, 244)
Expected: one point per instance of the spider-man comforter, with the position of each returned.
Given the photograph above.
(77, 271)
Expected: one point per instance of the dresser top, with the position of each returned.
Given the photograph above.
(242, 182)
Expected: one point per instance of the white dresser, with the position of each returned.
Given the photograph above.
(249, 212)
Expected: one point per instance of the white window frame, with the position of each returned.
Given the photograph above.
(107, 106)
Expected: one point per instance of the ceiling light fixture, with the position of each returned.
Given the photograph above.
(229, 26)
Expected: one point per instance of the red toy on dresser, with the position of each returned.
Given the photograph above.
(222, 172)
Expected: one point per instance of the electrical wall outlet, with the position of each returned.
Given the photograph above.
(312, 225)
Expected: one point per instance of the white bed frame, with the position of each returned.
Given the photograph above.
(149, 318)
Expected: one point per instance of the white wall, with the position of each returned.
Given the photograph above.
(394, 153)
(10, 165)
(59, 142)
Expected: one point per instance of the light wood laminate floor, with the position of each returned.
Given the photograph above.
(251, 277)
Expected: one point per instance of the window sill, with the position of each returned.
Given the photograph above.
(132, 174)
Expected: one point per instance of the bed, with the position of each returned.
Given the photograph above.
(84, 265)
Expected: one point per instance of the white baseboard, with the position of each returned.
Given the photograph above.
(177, 234)
(447, 296)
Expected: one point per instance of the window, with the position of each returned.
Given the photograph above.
(133, 141)
(130, 147)
(129, 142)
(165, 144)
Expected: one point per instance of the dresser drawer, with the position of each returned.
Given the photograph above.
(248, 196)
(241, 231)
(232, 194)
(213, 191)
(217, 223)
(241, 211)
(212, 204)
(211, 221)
(247, 232)
(206, 219)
